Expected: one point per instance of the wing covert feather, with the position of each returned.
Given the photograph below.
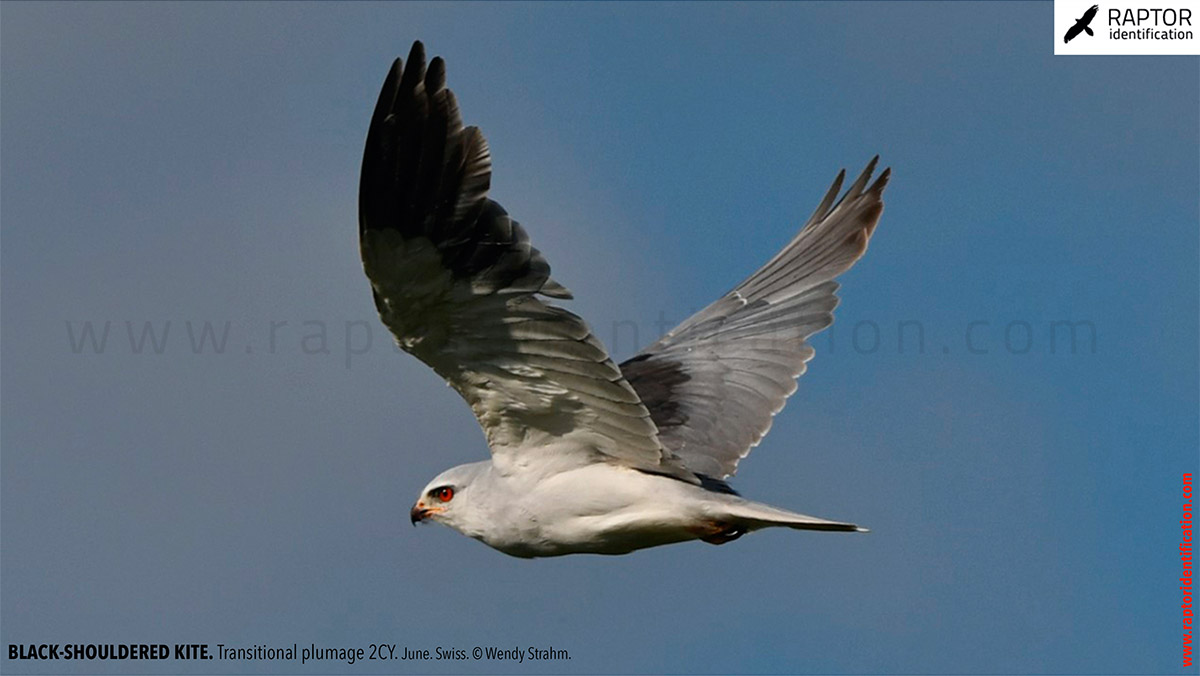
(459, 285)
(713, 383)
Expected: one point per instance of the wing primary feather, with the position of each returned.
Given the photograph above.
(460, 286)
(713, 383)
(830, 196)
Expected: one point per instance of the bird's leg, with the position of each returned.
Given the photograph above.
(717, 533)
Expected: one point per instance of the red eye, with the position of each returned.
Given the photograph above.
(445, 494)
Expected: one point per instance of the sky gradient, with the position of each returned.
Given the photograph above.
(188, 163)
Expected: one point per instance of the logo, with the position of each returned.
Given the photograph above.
(1126, 27)
(1081, 24)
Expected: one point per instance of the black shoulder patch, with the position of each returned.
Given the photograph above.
(716, 485)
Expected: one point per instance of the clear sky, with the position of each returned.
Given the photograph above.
(170, 163)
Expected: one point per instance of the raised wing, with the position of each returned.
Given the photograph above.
(458, 284)
(714, 382)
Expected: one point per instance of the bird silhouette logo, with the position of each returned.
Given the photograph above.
(1081, 26)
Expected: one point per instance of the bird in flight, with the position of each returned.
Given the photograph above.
(1081, 26)
(586, 456)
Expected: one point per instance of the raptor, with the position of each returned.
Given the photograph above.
(586, 456)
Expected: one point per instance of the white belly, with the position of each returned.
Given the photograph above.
(599, 509)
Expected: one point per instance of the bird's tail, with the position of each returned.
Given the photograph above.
(755, 515)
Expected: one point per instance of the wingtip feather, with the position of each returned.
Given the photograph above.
(417, 52)
(881, 182)
(415, 72)
(861, 182)
(435, 75)
(827, 201)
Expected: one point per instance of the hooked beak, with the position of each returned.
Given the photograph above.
(418, 513)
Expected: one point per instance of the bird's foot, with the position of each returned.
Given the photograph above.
(716, 533)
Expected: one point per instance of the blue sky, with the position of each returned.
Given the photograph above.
(198, 163)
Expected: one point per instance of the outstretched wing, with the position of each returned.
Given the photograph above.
(458, 284)
(713, 383)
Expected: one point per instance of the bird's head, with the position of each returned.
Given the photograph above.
(443, 499)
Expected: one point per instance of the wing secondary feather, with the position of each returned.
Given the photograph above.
(457, 282)
(713, 383)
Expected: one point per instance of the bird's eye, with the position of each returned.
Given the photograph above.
(445, 494)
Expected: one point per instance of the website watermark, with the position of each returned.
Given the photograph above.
(348, 340)
(1185, 558)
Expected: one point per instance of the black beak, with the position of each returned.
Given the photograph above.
(417, 514)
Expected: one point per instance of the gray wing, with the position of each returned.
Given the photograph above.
(458, 284)
(714, 382)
